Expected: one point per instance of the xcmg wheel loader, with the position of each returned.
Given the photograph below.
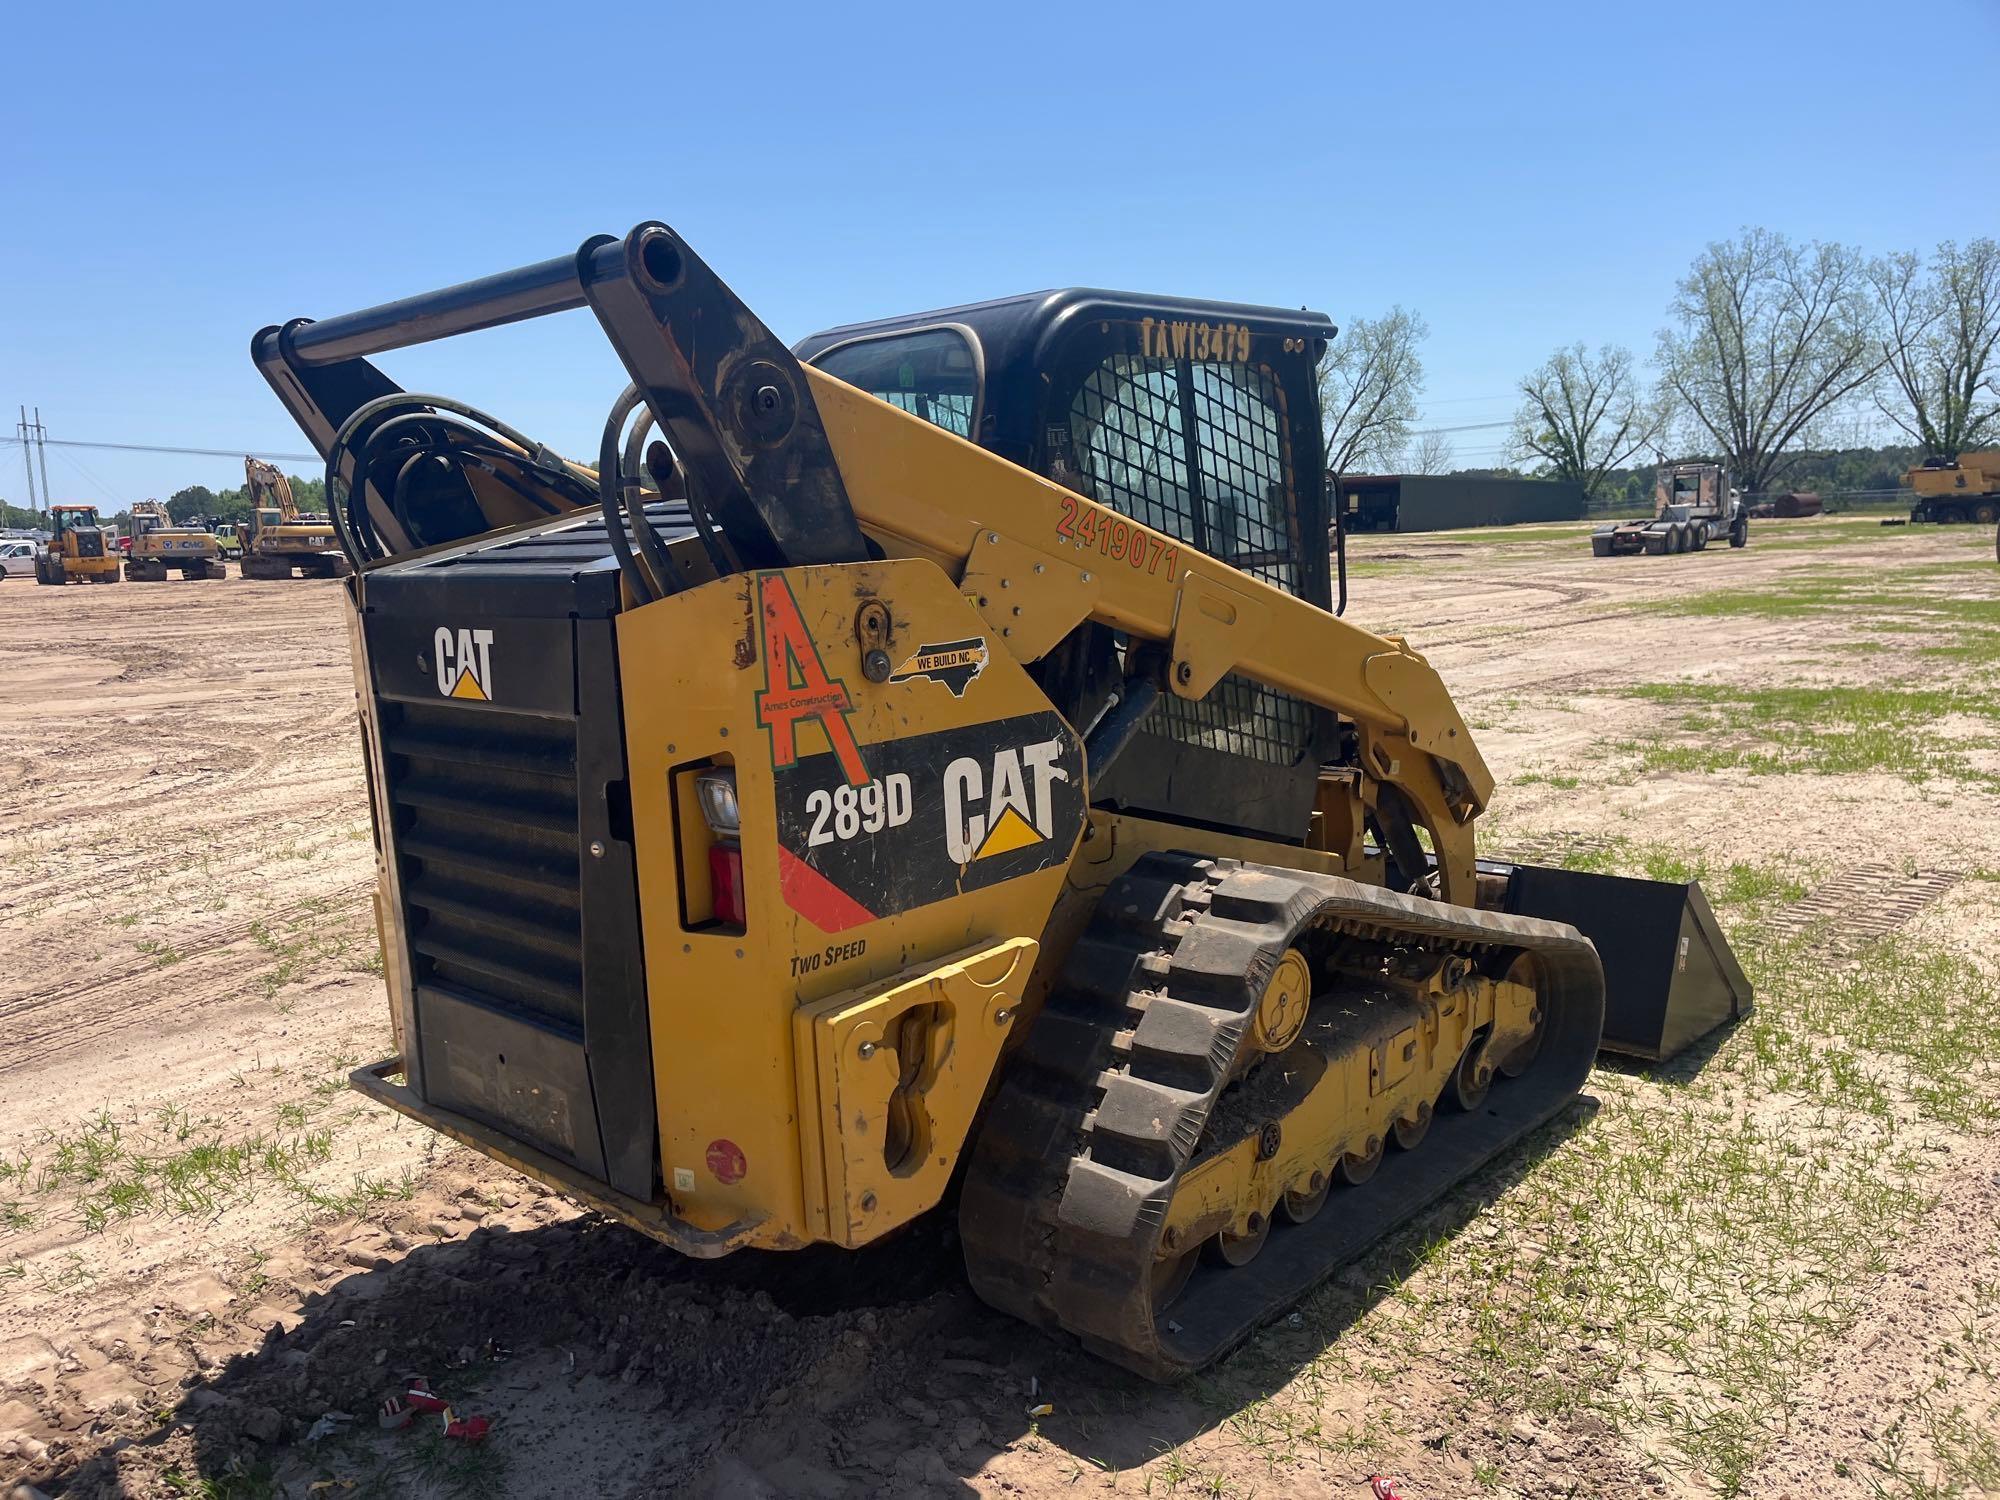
(922, 772)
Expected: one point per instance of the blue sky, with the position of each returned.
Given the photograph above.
(1523, 174)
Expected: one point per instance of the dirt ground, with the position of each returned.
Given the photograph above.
(1770, 1269)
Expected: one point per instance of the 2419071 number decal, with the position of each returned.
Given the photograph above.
(1114, 537)
(848, 811)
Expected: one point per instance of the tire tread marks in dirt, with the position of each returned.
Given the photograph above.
(1107, 1101)
(1864, 902)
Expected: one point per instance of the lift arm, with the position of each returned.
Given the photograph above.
(795, 466)
(1038, 560)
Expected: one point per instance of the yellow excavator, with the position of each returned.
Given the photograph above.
(158, 545)
(923, 770)
(279, 540)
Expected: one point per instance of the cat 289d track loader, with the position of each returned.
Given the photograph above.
(928, 770)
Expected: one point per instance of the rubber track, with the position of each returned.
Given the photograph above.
(1106, 1101)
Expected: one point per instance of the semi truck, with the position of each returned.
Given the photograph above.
(1693, 505)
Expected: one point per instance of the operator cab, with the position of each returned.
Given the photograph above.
(1198, 419)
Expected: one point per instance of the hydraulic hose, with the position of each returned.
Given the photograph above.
(346, 503)
(645, 583)
(631, 487)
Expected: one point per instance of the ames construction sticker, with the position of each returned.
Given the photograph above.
(956, 664)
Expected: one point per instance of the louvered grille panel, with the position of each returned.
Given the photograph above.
(486, 834)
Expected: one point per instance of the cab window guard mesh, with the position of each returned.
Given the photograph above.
(1239, 717)
(1226, 493)
(1195, 450)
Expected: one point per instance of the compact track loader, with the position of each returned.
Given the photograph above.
(924, 769)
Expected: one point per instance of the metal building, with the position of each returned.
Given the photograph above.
(1443, 502)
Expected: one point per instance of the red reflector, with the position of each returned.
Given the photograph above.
(725, 875)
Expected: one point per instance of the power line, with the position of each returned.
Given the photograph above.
(159, 448)
(90, 477)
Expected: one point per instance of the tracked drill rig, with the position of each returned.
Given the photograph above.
(924, 769)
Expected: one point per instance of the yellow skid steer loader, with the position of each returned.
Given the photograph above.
(924, 768)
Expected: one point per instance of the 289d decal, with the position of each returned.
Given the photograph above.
(944, 813)
(865, 832)
(847, 811)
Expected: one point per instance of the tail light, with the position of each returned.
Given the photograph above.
(716, 792)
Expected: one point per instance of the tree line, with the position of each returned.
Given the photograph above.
(1846, 478)
(198, 502)
(1770, 349)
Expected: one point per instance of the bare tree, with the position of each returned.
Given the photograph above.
(1369, 381)
(1768, 338)
(1430, 453)
(1581, 415)
(1940, 335)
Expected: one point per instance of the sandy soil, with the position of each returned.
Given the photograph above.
(187, 967)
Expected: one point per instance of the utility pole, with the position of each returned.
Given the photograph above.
(42, 446)
(27, 458)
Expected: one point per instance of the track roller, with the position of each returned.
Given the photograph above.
(1225, 1044)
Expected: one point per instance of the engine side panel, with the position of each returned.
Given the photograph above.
(893, 816)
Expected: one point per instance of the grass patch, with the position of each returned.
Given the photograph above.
(1975, 647)
(419, 1462)
(1549, 778)
(1829, 730)
(1821, 594)
(1679, 1266)
(1816, 535)
(110, 1171)
(1753, 885)
(1744, 887)
(237, 1482)
(161, 954)
(310, 945)
(1510, 535)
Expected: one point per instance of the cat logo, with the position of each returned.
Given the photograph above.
(1008, 809)
(464, 663)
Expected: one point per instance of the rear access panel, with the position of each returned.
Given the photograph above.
(1669, 975)
(494, 674)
